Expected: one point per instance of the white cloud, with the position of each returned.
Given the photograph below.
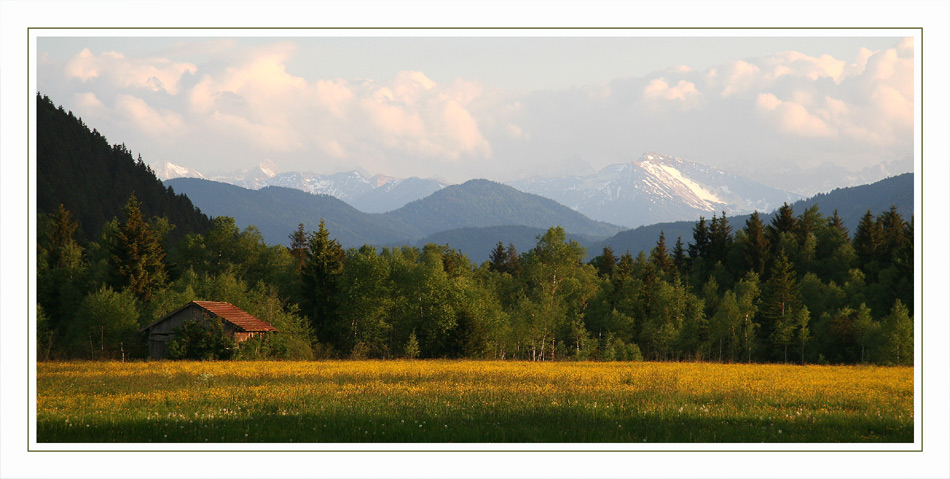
(792, 118)
(737, 77)
(252, 103)
(89, 103)
(684, 93)
(152, 122)
(155, 74)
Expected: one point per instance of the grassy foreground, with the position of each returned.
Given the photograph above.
(470, 401)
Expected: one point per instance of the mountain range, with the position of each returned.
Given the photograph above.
(370, 194)
(657, 188)
(276, 212)
(653, 188)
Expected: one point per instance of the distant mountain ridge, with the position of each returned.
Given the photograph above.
(656, 188)
(653, 188)
(370, 194)
(276, 212)
(851, 202)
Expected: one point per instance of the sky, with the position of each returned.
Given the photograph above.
(549, 103)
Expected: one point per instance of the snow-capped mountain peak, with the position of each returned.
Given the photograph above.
(168, 170)
(664, 171)
(656, 188)
(269, 168)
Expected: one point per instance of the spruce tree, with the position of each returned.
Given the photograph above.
(699, 248)
(680, 260)
(756, 248)
(605, 263)
(137, 257)
(659, 256)
(498, 259)
(298, 247)
(319, 278)
(513, 262)
(783, 222)
(868, 240)
(780, 300)
(720, 238)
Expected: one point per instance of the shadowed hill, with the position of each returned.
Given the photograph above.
(851, 203)
(78, 168)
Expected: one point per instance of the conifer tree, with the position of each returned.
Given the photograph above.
(680, 260)
(513, 263)
(720, 238)
(137, 256)
(298, 247)
(659, 256)
(624, 266)
(868, 240)
(756, 248)
(780, 300)
(783, 222)
(605, 263)
(699, 248)
(319, 277)
(498, 259)
(894, 237)
(808, 223)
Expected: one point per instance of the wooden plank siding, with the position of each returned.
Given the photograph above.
(239, 325)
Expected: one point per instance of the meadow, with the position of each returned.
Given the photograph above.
(470, 401)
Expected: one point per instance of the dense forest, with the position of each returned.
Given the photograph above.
(799, 288)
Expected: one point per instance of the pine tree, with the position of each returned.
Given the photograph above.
(894, 236)
(498, 260)
(513, 263)
(756, 248)
(720, 238)
(780, 300)
(868, 240)
(605, 263)
(680, 260)
(659, 256)
(699, 248)
(783, 222)
(808, 223)
(624, 267)
(298, 247)
(837, 224)
(137, 257)
(319, 278)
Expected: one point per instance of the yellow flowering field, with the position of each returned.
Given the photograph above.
(470, 401)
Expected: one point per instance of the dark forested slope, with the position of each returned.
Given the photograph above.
(852, 203)
(79, 169)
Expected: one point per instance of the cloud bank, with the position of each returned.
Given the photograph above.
(247, 104)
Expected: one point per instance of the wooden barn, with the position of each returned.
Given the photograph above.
(240, 325)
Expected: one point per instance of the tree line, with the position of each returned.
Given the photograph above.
(799, 289)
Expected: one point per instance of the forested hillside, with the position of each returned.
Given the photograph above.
(78, 168)
(851, 203)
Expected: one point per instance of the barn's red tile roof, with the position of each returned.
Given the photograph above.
(235, 316)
